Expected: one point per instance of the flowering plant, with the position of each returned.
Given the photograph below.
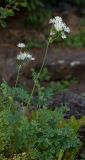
(58, 26)
(41, 134)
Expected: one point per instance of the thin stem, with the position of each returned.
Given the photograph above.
(18, 74)
(48, 42)
(61, 154)
(43, 60)
(39, 73)
(31, 95)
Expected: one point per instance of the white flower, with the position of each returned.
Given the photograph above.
(52, 33)
(67, 29)
(56, 19)
(59, 26)
(23, 56)
(63, 35)
(21, 45)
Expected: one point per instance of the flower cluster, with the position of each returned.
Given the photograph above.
(24, 56)
(59, 26)
(21, 45)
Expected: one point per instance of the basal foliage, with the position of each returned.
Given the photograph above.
(39, 135)
(42, 96)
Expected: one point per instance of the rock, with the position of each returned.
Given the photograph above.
(81, 11)
(78, 87)
(64, 7)
(7, 61)
(73, 22)
(74, 102)
(61, 63)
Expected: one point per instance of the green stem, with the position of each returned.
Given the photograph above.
(39, 73)
(18, 74)
(48, 42)
(61, 154)
(43, 60)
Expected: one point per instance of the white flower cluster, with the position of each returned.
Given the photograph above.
(24, 56)
(21, 45)
(59, 26)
